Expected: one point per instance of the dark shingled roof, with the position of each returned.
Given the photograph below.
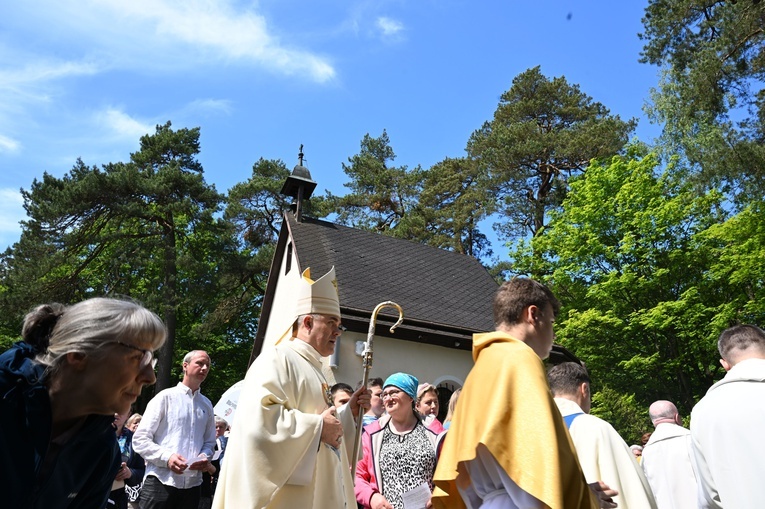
(435, 288)
(446, 296)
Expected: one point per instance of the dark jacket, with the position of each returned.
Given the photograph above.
(135, 462)
(81, 474)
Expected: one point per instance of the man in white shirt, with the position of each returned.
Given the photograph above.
(176, 437)
(727, 424)
(667, 459)
(602, 452)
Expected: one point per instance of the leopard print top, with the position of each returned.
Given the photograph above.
(406, 461)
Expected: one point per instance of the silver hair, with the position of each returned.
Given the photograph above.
(56, 330)
(299, 319)
(191, 354)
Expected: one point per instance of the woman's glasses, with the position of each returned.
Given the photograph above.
(389, 394)
(148, 355)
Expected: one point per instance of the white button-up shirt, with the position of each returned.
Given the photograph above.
(180, 421)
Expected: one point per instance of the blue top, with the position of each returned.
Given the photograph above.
(79, 475)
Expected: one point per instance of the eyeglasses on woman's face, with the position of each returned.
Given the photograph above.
(148, 356)
(390, 394)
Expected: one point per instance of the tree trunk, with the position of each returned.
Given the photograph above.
(165, 364)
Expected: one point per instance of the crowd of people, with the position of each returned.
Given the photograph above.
(515, 435)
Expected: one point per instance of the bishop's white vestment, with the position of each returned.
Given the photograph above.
(274, 456)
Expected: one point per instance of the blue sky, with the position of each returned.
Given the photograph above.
(87, 78)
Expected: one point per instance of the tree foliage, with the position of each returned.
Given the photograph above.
(710, 98)
(441, 206)
(544, 131)
(454, 200)
(630, 254)
(144, 229)
(255, 207)
(382, 197)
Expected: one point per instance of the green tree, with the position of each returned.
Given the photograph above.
(629, 256)
(711, 98)
(255, 207)
(622, 411)
(383, 197)
(441, 206)
(739, 249)
(544, 131)
(124, 229)
(454, 200)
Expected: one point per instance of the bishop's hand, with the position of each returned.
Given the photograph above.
(360, 399)
(331, 428)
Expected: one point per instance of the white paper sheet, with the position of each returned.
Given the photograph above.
(417, 498)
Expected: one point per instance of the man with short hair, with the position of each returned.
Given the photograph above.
(290, 447)
(340, 393)
(507, 446)
(667, 459)
(727, 424)
(376, 407)
(176, 438)
(602, 453)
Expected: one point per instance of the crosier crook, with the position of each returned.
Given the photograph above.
(366, 357)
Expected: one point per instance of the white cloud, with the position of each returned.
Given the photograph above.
(8, 145)
(389, 27)
(34, 83)
(121, 124)
(206, 106)
(171, 34)
(43, 71)
(44, 84)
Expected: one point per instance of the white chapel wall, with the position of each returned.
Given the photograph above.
(428, 363)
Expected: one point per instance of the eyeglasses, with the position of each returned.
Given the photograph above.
(148, 355)
(389, 394)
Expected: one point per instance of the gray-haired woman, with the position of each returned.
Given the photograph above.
(59, 390)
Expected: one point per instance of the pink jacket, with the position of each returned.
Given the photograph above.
(367, 469)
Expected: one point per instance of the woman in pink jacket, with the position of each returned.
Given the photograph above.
(399, 449)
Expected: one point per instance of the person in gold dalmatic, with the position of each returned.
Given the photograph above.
(508, 446)
(287, 447)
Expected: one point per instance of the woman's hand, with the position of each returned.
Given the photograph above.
(123, 473)
(379, 502)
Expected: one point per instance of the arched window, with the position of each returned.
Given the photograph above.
(446, 386)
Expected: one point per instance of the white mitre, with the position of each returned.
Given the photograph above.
(318, 296)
